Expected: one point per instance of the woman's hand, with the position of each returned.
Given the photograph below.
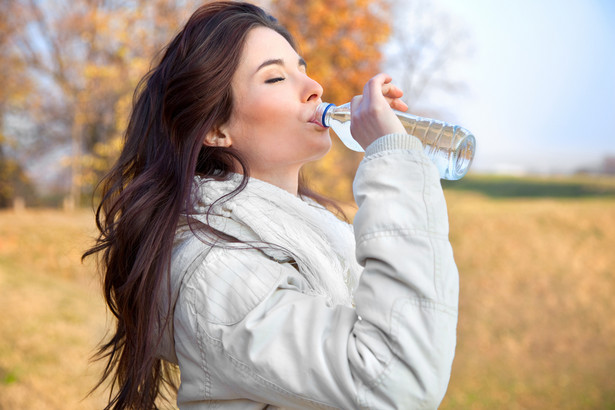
(372, 113)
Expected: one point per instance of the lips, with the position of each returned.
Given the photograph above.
(316, 122)
(315, 118)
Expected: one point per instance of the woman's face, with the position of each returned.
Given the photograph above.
(274, 101)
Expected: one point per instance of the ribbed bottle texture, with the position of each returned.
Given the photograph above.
(449, 146)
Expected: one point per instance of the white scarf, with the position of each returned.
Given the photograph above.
(285, 227)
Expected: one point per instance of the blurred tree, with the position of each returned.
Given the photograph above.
(424, 44)
(76, 65)
(341, 40)
(14, 183)
(346, 42)
(14, 86)
(608, 165)
(85, 58)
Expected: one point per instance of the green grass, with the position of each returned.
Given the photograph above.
(535, 187)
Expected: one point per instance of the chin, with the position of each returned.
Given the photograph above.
(322, 149)
(314, 147)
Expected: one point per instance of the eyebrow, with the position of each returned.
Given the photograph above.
(279, 61)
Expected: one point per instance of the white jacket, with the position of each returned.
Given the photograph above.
(248, 335)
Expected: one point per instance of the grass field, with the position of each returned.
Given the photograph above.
(536, 327)
(52, 311)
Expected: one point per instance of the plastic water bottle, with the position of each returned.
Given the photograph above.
(449, 146)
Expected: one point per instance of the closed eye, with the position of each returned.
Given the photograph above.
(274, 80)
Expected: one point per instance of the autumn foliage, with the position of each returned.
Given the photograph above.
(82, 59)
(341, 40)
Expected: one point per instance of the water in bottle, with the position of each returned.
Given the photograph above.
(449, 146)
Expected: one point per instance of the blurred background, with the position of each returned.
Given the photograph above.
(532, 224)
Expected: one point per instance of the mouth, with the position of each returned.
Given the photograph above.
(318, 124)
(313, 117)
(317, 116)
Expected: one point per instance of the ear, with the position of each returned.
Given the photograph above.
(218, 137)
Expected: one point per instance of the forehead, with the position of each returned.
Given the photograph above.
(263, 44)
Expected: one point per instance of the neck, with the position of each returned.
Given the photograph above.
(288, 181)
(288, 184)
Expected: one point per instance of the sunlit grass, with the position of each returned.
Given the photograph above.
(536, 305)
(52, 314)
(535, 326)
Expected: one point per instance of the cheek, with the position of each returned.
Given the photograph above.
(253, 134)
(254, 115)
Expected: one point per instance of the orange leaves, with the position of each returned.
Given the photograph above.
(341, 42)
(89, 55)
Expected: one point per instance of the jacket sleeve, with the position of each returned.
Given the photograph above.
(264, 339)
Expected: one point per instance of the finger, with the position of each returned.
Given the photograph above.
(390, 90)
(393, 96)
(398, 105)
(354, 103)
(373, 88)
(395, 101)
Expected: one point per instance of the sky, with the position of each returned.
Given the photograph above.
(540, 83)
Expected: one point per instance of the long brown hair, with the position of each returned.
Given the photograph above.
(176, 104)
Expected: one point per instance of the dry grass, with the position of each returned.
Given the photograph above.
(535, 331)
(52, 313)
(537, 282)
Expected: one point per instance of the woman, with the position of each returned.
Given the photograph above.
(217, 259)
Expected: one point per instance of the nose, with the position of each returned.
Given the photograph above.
(312, 89)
